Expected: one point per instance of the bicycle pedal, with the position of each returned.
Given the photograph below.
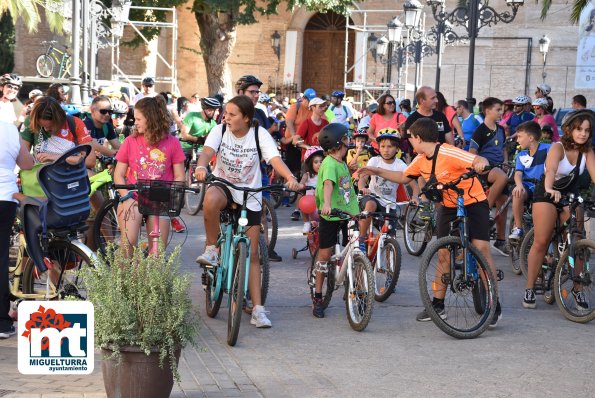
(499, 275)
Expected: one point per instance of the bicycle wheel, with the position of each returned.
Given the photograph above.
(192, 200)
(313, 241)
(68, 260)
(45, 65)
(524, 251)
(269, 218)
(571, 283)
(416, 231)
(236, 294)
(265, 268)
(327, 287)
(212, 298)
(105, 227)
(360, 297)
(461, 318)
(387, 267)
(515, 257)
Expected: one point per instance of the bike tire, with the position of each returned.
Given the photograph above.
(45, 65)
(391, 265)
(415, 236)
(265, 269)
(268, 210)
(328, 287)
(515, 257)
(212, 299)
(313, 241)
(565, 278)
(193, 201)
(105, 227)
(236, 293)
(360, 302)
(524, 251)
(462, 319)
(65, 256)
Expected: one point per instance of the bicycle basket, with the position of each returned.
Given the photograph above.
(160, 198)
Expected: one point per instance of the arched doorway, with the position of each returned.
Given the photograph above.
(323, 56)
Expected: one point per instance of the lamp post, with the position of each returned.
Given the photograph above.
(75, 82)
(416, 50)
(473, 16)
(276, 44)
(395, 28)
(442, 34)
(372, 39)
(544, 46)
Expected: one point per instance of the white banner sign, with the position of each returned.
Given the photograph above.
(585, 52)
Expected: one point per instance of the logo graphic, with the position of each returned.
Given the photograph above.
(56, 337)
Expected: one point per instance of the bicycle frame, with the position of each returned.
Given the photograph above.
(341, 256)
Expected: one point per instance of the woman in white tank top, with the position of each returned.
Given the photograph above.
(561, 161)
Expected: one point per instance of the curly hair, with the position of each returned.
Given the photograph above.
(567, 140)
(158, 118)
(47, 108)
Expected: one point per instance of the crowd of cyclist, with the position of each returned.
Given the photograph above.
(314, 140)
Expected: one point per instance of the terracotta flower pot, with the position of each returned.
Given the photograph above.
(137, 375)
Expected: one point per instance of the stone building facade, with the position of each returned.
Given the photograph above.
(507, 60)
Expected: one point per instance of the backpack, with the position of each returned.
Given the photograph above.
(332, 108)
(432, 192)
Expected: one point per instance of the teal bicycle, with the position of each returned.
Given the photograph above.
(231, 274)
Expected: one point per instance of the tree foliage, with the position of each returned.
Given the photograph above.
(575, 13)
(28, 11)
(7, 40)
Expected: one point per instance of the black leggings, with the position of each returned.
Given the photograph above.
(7, 214)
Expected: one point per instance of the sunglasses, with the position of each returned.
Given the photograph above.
(105, 111)
(118, 115)
(518, 105)
(536, 107)
(389, 103)
(13, 87)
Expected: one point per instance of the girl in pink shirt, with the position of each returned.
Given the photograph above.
(149, 153)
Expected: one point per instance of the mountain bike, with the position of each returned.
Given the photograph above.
(418, 231)
(453, 267)
(194, 200)
(384, 251)
(352, 269)
(46, 63)
(231, 274)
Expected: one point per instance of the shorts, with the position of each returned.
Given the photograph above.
(539, 195)
(254, 217)
(328, 232)
(366, 199)
(478, 220)
(484, 181)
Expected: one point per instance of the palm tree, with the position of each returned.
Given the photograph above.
(577, 7)
(28, 10)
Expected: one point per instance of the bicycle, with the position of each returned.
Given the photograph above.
(231, 274)
(461, 273)
(46, 63)
(51, 253)
(352, 269)
(194, 200)
(384, 251)
(418, 232)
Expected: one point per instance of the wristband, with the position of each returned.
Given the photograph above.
(202, 167)
(126, 197)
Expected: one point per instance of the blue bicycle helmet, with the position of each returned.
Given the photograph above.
(338, 94)
(71, 110)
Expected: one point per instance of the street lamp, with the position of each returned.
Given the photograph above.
(395, 27)
(276, 44)
(412, 13)
(473, 16)
(372, 40)
(442, 34)
(544, 46)
(416, 50)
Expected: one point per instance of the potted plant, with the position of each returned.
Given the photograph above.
(143, 318)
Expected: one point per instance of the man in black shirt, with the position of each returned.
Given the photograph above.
(426, 101)
(100, 126)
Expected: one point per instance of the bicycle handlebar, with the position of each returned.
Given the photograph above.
(134, 187)
(274, 187)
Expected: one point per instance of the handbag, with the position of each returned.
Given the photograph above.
(29, 182)
(566, 182)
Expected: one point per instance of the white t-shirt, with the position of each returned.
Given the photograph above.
(9, 151)
(142, 95)
(387, 190)
(238, 162)
(7, 113)
(342, 114)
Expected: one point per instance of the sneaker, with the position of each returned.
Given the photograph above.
(209, 257)
(501, 247)
(516, 234)
(7, 333)
(307, 227)
(274, 257)
(497, 315)
(177, 226)
(295, 216)
(259, 317)
(317, 308)
(529, 299)
(580, 299)
(363, 246)
(425, 317)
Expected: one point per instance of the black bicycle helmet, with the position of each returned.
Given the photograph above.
(210, 103)
(246, 81)
(571, 116)
(331, 135)
(148, 81)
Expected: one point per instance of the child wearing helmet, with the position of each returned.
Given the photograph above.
(312, 161)
(519, 114)
(358, 157)
(540, 108)
(381, 192)
(334, 190)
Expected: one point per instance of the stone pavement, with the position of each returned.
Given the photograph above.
(395, 356)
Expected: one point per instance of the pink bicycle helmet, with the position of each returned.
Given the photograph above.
(313, 150)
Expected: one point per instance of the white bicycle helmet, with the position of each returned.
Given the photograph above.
(264, 97)
(544, 88)
(12, 78)
(521, 100)
(119, 107)
(540, 102)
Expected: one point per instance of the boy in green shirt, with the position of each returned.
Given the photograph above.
(197, 125)
(334, 190)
